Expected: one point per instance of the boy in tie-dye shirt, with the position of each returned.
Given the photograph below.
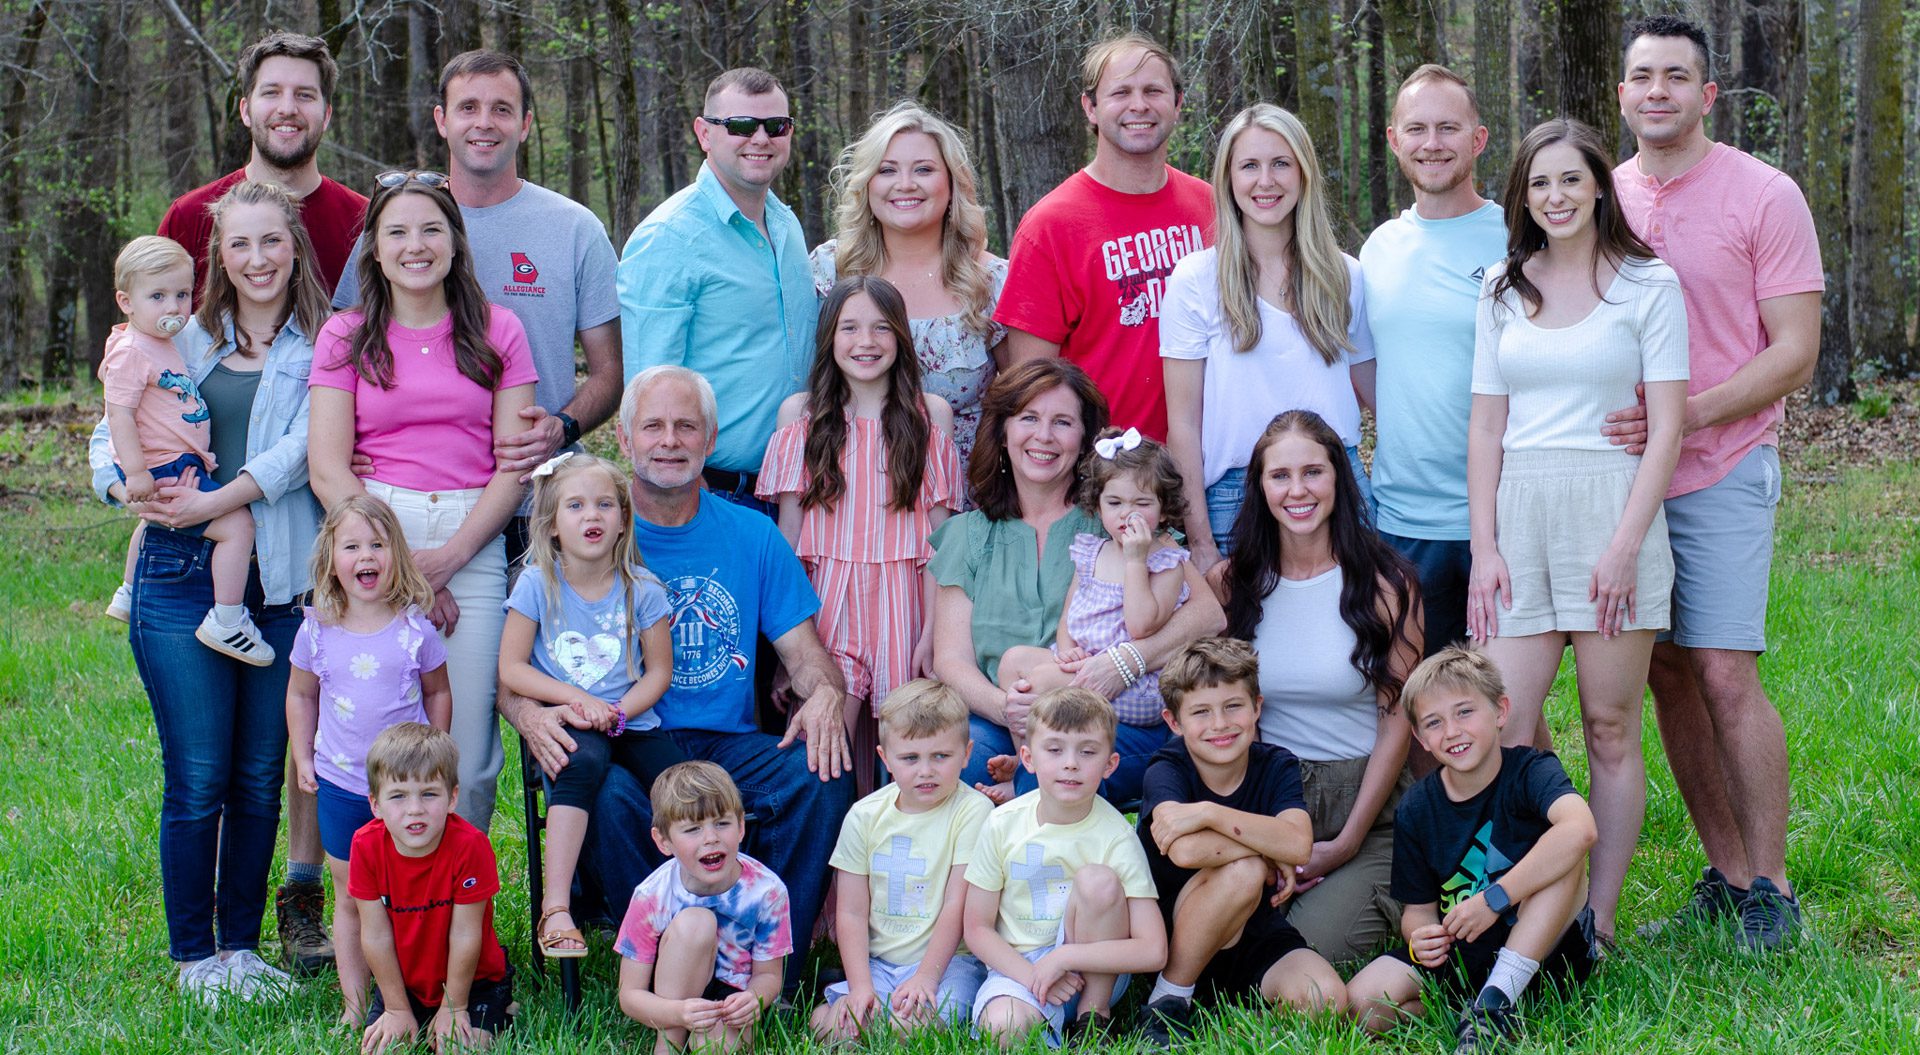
(705, 935)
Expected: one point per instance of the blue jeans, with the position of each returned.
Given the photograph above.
(222, 727)
(1135, 743)
(1225, 496)
(796, 822)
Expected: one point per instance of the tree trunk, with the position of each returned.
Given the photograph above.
(179, 131)
(1878, 199)
(579, 103)
(1493, 84)
(384, 98)
(423, 82)
(1033, 55)
(1372, 137)
(1318, 86)
(627, 143)
(1825, 180)
(1722, 19)
(810, 158)
(14, 276)
(1589, 52)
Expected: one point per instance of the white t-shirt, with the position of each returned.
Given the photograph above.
(1317, 704)
(1560, 383)
(1242, 391)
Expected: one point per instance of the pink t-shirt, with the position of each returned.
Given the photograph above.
(1087, 270)
(433, 430)
(1737, 231)
(147, 374)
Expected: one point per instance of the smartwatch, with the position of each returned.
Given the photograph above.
(1497, 898)
(569, 429)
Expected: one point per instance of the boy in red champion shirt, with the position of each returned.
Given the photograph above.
(425, 880)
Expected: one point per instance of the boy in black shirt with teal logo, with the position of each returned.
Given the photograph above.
(1490, 855)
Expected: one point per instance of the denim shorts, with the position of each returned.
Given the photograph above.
(172, 470)
(341, 813)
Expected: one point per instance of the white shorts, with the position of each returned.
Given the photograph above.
(1556, 515)
(1056, 1015)
(957, 985)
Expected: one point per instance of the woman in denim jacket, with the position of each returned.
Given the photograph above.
(221, 723)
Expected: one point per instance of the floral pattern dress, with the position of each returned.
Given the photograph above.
(955, 362)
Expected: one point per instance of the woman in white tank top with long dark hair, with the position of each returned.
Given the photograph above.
(1335, 615)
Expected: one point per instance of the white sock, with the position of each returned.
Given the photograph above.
(1511, 974)
(229, 614)
(1162, 987)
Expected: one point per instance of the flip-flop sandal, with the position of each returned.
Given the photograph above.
(550, 940)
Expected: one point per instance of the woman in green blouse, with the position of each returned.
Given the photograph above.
(1003, 568)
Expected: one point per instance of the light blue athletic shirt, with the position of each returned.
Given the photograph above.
(1423, 280)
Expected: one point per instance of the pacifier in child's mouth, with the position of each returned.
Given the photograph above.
(172, 324)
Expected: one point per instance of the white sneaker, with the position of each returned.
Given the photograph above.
(253, 979)
(242, 641)
(121, 607)
(206, 981)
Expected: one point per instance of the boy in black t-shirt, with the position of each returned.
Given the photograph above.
(1490, 856)
(1220, 815)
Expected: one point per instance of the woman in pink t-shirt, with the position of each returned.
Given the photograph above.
(422, 378)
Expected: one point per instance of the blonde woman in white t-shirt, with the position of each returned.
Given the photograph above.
(1569, 539)
(1271, 317)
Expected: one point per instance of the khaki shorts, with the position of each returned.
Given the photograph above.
(1556, 513)
(1348, 915)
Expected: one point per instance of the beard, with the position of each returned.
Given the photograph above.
(299, 155)
(1453, 178)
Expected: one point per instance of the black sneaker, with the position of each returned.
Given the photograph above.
(1091, 1028)
(1487, 1025)
(298, 910)
(1167, 1021)
(1768, 918)
(1714, 899)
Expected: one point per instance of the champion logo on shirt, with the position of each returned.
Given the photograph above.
(470, 882)
(525, 274)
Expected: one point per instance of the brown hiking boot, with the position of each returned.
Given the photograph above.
(299, 909)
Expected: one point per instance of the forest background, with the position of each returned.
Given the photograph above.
(110, 108)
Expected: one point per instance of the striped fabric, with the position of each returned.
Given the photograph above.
(1097, 620)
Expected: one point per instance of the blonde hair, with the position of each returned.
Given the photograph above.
(411, 751)
(1209, 662)
(861, 248)
(543, 548)
(406, 586)
(1072, 710)
(1453, 667)
(149, 254)
(921, 708)
(694, 791)
(307, 301)
(1100, 55)
(1318, 285)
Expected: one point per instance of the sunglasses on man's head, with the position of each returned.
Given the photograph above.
(398, 178)
(744, 126)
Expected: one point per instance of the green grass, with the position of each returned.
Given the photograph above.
(83, 944)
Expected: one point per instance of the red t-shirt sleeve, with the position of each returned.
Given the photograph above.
(476, 878)
(1034, 297)
(366, 857)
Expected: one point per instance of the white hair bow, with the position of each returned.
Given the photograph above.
(547, 467)
(1113, 445)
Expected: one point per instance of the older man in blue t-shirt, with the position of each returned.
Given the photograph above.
(731, 578)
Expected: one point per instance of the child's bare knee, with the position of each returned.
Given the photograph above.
(694, 931)
(1098, 887)
(1247, 876)
(1007, 1019)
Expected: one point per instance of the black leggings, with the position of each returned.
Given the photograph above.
(644, 753)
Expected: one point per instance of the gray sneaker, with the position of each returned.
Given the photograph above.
(255, 980)
(1714, 899)
(206, 981)
(1768, 918)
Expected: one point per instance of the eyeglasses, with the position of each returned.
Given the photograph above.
(399, 178)
(744, 126)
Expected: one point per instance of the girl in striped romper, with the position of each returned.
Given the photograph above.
(863, 467)
(1125, 586)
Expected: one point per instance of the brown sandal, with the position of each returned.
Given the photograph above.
(549, 941)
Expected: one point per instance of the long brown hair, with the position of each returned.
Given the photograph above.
(988, 470)
(903, 423)
(1615, 240)
(1369, 568)
(306, 299)
(368, 353)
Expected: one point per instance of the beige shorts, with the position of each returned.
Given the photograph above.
(1556, 513)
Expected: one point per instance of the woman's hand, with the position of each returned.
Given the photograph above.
(180, 503)
(1203, 553)
(1325, 859)
(445, 613)
(1612, 588)
(1101, 675)
(439, 565)
(923, 655)
(1019, 703)
(1488, 591)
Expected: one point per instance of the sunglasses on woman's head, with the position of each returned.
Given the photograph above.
(398, 178)
(744, 126)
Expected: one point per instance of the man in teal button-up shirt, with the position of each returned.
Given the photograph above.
(716, 278)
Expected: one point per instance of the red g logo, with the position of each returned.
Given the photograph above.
(523, 269)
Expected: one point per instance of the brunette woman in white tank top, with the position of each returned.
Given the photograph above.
(1335, 616)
